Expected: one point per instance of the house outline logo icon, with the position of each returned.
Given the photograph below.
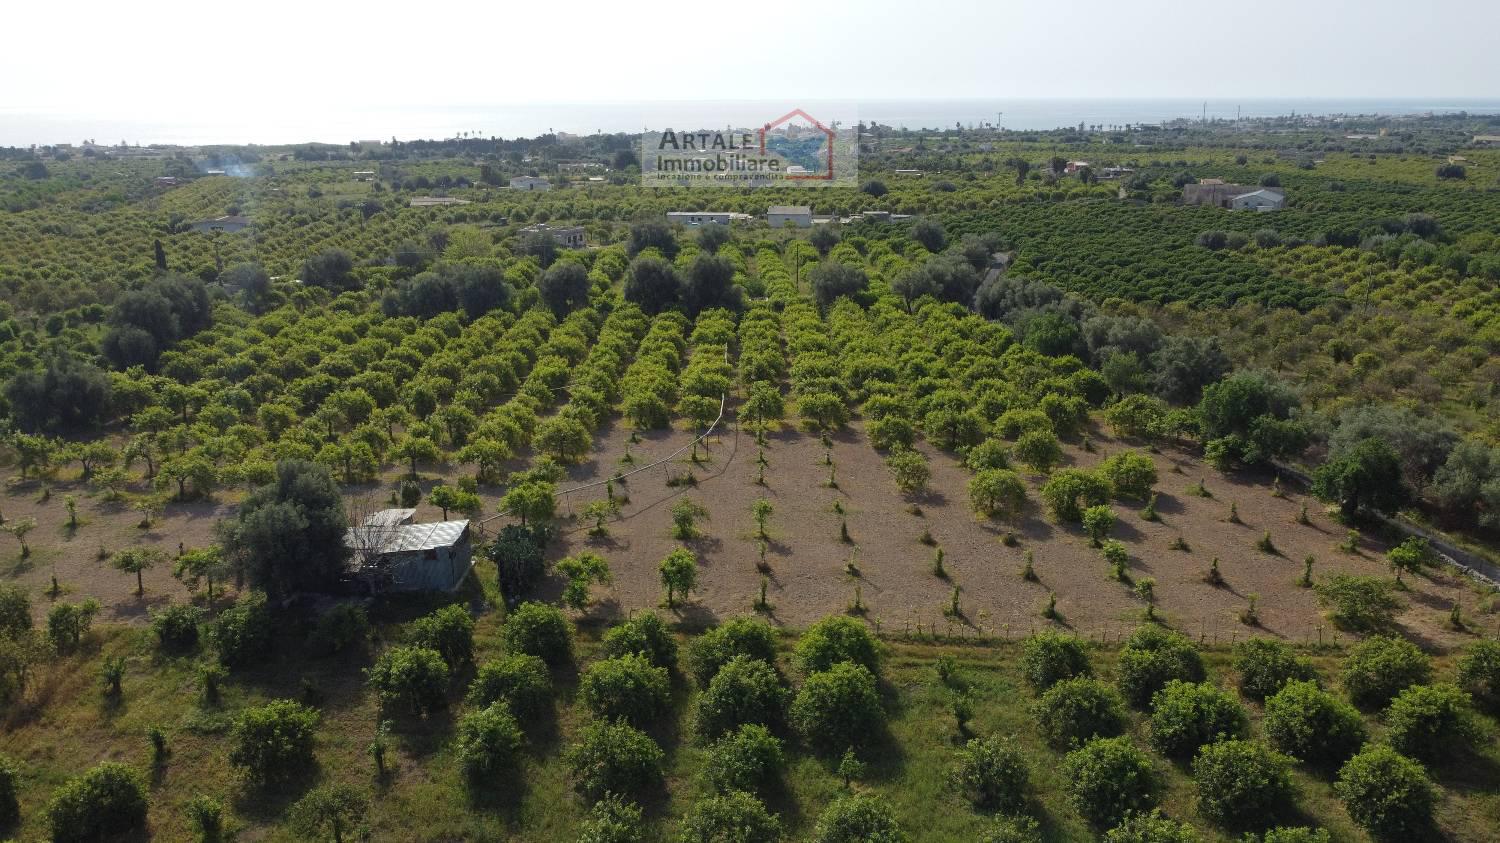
(828, 134)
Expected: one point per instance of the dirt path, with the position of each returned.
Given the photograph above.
(808, 576)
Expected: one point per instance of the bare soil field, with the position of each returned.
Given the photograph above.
(813, 572)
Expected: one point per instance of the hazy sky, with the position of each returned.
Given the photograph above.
(281, 59)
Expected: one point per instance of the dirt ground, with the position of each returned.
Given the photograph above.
(810, 566)
(893, 569)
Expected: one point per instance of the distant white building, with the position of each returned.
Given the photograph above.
(569, 237)
(434, 201)
(778, 216)
(529, 183)
(390, 553)
(699, 217)
(1264, 199)
(364, 175)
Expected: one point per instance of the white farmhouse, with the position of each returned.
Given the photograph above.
(529, 183)
(699, 217)
(778, 216)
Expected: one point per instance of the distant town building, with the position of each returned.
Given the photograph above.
(529, 183)
(575, 166)
(391, 553)
(364, 175)
(876, 216)
(908, 172)
(432, 201)
(800, 216)
(227, 224)
(569, 237)
(1487, 140)
(699, 217)
(166, 181)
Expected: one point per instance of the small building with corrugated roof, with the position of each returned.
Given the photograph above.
(393, 553)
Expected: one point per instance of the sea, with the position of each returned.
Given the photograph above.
(334, 125)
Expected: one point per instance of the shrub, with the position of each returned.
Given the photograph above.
(1131, 474)
(627, 688)
(1313, 725)
(838, 708)
(1151, 658)
(487, 741)
(539, 630)
(10, 806)
(613, 820)
(333, 806)
(106, 802)
(992, 774)
(1296, 834)
(1358, 602)
(747, 759)
(68, 623)
(838, 639)
(1386, 793)
(1075, 711)
(1186, 716)
(614, 758)
(1265, 665)
(1038, 450)
(207, 816)
(744, 636)
(989, 454)
(242, 633)
(1097, 522)
(1050, 657)
(273, 742)
(1108, 777)
(997, 493)
(341, 628)
(736, 816)
(1068, 491)
(520, 681)
(449, 631)
(15, 609)
(414, 676)
(176, 626)
(1479, 672)
(517, 554)
(909, 470)
(861, 818)
(1242, 783)
(645, 634)
(1140, 827)
(745, 690)
(1018, 828)
(1431, 721)
(1380, 667)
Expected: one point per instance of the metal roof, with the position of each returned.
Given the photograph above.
(388, 517)
(418, 537)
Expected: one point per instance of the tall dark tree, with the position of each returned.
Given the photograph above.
(653, 284)
(830, 280)
(652, 234)
(331, 269)
(1366, 476)
(709, 283)
(288, 536)
(68, 394)
(161, 256)
(564, 287)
